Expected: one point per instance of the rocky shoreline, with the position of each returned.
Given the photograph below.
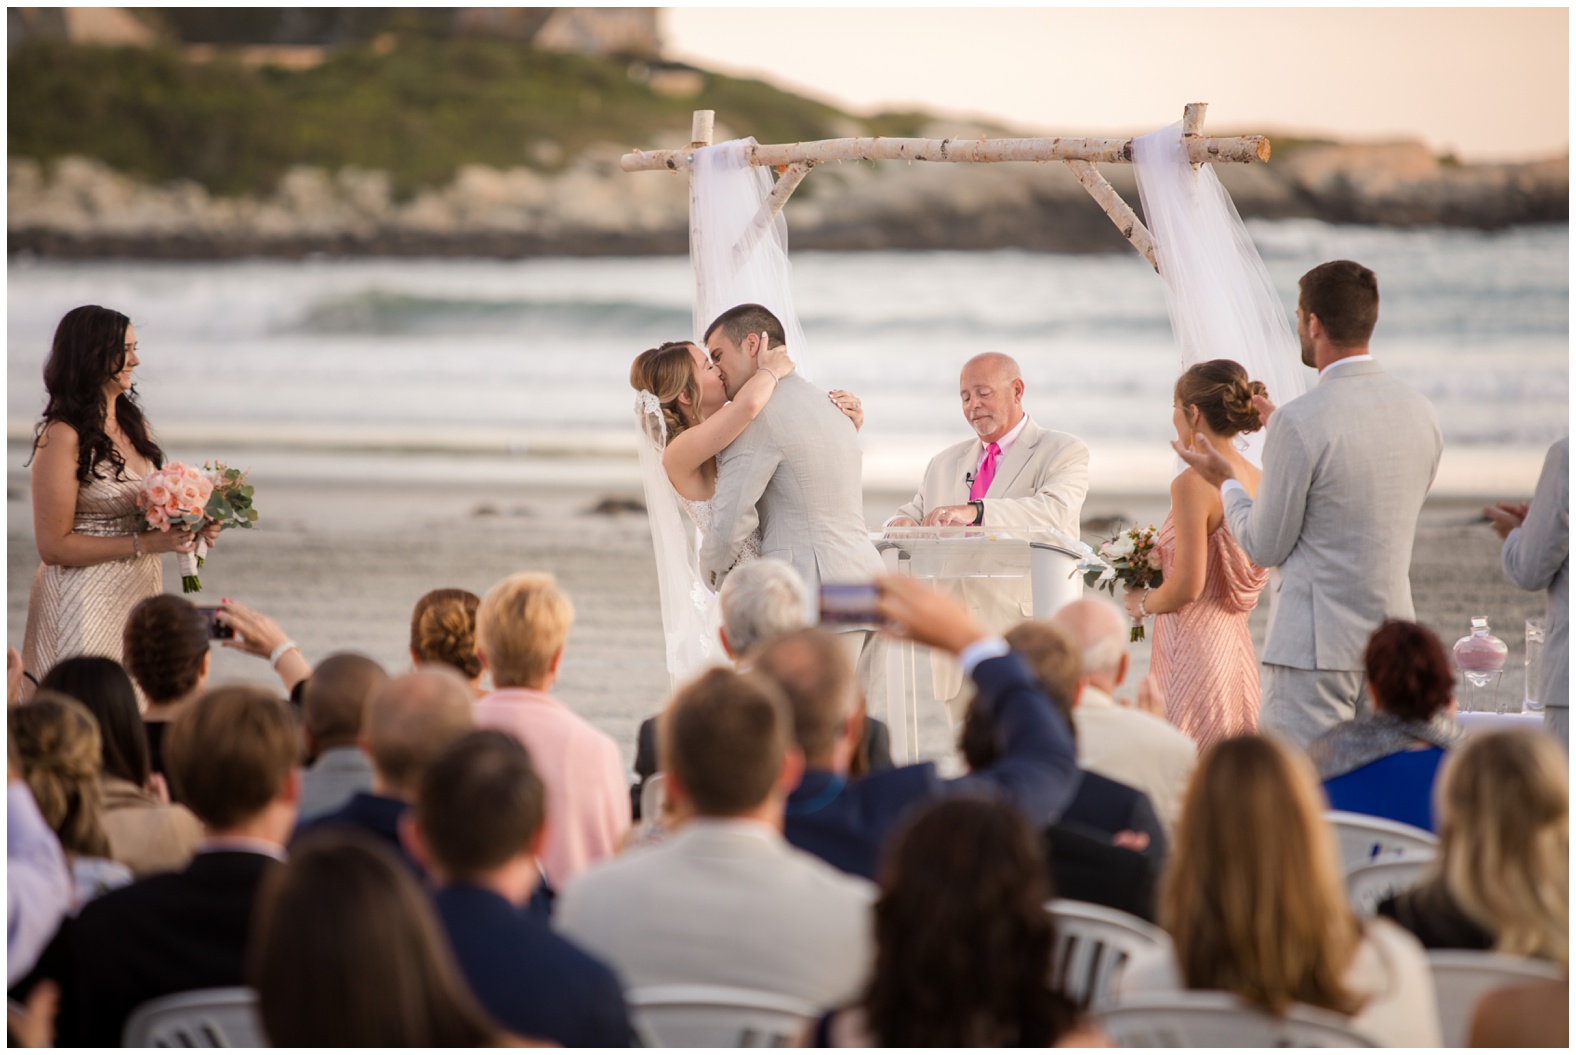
(77, 207)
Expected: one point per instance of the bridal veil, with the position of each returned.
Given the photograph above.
(740, 256)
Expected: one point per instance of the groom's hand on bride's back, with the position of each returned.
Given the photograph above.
(919, 613)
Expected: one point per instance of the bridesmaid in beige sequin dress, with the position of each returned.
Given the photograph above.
(92, 450)
(1203, 655)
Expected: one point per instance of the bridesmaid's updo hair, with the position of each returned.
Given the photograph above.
(57, 741)
(667, 371)
(1223, 394)
(443, 630)
(165, 640)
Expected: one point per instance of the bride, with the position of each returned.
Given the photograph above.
(685, 420)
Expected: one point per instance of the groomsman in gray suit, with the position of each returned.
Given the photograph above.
(1346, 469)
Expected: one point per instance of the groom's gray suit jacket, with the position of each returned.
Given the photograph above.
(795, 470)
(1346, 469)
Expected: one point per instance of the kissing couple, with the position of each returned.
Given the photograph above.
(761, 461)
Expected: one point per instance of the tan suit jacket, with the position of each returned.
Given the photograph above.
(1040, 482)
(1137, 749)
(725, 902)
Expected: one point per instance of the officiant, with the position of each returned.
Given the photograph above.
(1012, 474)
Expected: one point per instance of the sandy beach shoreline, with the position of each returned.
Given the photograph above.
(339, 562)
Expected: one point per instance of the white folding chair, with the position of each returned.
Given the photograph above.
(199, 1018)
(1202, 1019)
(1364, 840)
(1093, 944)
(716, 1016)
(1367, 885)
(651, 794)
(1462, 976)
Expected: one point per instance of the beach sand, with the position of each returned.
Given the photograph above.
(340, 563)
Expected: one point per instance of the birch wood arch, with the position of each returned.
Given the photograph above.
(793, 161)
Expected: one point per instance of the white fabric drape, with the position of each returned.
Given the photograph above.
(735, 261)
(1218, 292)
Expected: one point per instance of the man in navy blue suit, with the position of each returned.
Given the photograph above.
(477, 830)
(847, 823)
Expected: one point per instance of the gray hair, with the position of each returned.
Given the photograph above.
(1101, 630)
(761, 600)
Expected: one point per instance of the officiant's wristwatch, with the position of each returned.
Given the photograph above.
(979, 512)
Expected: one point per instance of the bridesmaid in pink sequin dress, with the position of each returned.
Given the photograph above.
(1203, 655)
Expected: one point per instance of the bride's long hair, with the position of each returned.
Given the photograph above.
(1223, 394)
(667, 372)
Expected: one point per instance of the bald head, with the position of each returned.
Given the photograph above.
(1100, 630)
(409, 723)
(991, 387)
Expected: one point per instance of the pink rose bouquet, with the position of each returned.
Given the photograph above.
(173, 497)
(230, 504)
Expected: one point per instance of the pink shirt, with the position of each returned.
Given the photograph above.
(582, 769)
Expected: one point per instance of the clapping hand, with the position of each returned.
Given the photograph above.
(1265, 408)
(1205, 460)
(1506, 517)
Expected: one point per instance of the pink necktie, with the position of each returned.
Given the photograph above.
(986, 474)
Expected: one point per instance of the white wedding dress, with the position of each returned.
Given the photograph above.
(702, 512)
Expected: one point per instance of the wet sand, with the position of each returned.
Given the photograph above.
(340, 564)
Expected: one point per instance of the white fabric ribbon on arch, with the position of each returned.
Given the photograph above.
(735, 260)
(1221, 300)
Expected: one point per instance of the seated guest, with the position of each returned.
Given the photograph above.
(1255, 905)
(1101, 872)
(761, 600)
(477, 831)
(146, 832)
(443, 630)
(522, 627)
(38, 885)
(1501, 879)
(333, 710)
(847, 824)
(232, 755)
(1116, 740)
(1384, 763)
(57, 747)
(725, 900)
(962, 941)
(347, 954)
(409, 721)
(166, 652)
(1102, 807)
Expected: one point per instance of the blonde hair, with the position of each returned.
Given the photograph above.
(1504, 840)
(522, 622)
(667, 372)
(443, 630)
(57, 742)
(1252, 896)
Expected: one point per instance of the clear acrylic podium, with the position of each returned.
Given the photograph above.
(1003, 576)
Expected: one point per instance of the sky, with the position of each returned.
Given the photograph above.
(1482, 83)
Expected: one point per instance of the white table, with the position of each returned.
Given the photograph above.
(1477, 721)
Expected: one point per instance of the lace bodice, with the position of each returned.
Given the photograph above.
(702, 512)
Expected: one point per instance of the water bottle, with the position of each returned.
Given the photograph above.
(1532, 693)
(1481, 657)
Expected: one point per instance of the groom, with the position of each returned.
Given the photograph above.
(794, 471)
